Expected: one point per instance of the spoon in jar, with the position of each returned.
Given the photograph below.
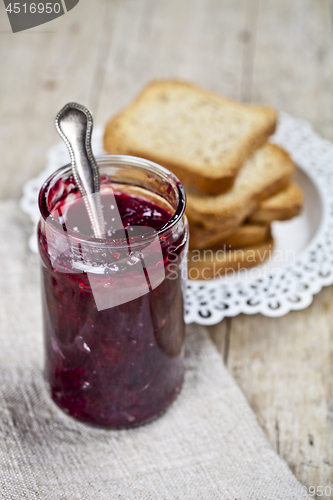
(74, 124)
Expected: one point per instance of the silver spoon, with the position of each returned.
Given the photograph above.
(74, 124)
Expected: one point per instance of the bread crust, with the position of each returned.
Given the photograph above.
(268, 171)
(219, 262)
(283, 206)
(244, 235)
(211, 180)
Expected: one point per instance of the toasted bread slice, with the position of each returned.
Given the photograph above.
(282, 206)
(245, 235)
(200, 136)
(269, 170)
(208, 264)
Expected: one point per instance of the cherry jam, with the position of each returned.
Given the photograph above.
(118, 363)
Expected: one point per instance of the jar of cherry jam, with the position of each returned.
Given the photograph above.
(113, 308)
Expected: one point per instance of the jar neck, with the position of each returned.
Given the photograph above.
(123, 172)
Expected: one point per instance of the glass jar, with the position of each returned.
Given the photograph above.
(113, 308)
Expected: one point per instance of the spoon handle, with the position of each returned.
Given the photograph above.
(74, 124)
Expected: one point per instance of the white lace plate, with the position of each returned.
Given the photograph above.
(302, 261)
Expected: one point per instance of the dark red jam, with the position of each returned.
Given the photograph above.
(120, 365)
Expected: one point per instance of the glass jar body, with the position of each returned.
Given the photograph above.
(115, 361)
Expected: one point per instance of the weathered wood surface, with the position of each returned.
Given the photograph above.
(284, 366)
(278, 53)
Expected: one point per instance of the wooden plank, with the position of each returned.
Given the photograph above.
(193, 40)
(248, 37)
(284, 366)
(115, 49)
(280, 53)
(40, 72)
(220, 334)
(293, 62)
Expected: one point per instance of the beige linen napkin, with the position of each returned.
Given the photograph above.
(207, 446)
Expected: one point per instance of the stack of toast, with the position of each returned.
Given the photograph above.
(236, 182)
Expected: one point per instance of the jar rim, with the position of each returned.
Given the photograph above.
(116, 160)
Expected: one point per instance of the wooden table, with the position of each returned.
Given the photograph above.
(276, 52)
